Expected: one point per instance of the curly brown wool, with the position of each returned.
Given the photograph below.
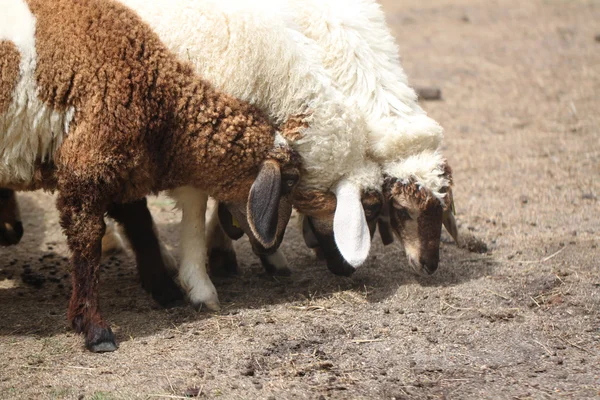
(143, 123)
(315, 202)
(9, 72)
(411, 195)
(293, 128)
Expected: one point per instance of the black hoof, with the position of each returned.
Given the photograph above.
(159, 283)
(167, 294)
(11, 234)
(100, 340)
(222, 262)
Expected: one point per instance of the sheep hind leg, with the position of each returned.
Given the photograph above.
(82, 221)
(152, 259)
(222, 260)
(11, 227)
(192, 271)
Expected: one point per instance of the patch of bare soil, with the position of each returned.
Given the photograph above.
(519, 101)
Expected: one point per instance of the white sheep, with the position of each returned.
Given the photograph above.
(362, 58)
(248, 50)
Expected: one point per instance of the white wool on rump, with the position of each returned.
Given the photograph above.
(362, 58)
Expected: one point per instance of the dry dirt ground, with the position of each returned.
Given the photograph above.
(520, 83)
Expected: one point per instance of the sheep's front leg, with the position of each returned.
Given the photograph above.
(192, 270)
(82, 219)
(221, 255)
(151, 257)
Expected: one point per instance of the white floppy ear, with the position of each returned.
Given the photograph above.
(350, 228)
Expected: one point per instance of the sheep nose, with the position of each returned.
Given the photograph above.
(429, 264)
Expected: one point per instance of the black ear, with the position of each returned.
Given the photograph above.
(263, 203)
(231, 227)
(383, 223)
(309, 235)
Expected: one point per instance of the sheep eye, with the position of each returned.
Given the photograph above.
(288, 182)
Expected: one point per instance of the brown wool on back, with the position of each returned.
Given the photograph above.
(154, 121)
(9, 72)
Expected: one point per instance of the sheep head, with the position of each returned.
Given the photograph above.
(267, 211)
(416, 216)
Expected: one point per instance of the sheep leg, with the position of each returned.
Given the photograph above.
(192, 271)
(11, 227)
(156, 278)
(82, 219)
(222, 259)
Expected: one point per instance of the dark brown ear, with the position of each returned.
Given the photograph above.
(263, 203)
(450, 224)
(385, 231)
(383, 223)
(231, 227)
(448, 217)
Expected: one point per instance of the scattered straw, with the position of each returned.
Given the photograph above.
(360, 341)
(574, 345)
(544, 347)
(543, 260)
(498, 294)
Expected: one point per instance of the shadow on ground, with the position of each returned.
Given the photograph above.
(36, 290)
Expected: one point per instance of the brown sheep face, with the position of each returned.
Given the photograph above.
(265, 216)
(11, 227)
(416, 217)
(318, 226)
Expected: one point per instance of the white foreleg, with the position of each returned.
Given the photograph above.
(192, 270)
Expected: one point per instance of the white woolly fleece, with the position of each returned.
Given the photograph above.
(362, 58)
(252, 51)
(424, 168)
(29, 130)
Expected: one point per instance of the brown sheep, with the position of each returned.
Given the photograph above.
(104, 114)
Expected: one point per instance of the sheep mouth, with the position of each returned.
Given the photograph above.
(422, 268)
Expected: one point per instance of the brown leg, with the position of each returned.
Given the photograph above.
(156, 278)
(81, 216)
